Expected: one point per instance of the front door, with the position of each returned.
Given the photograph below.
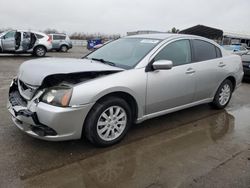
(8, 41)
(175, 87)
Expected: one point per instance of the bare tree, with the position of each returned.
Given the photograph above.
(174, 30)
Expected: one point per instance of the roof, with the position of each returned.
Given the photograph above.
(204, 31)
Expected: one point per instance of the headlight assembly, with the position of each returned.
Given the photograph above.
(57, 96)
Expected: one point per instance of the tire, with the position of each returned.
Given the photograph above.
(223, 95)
(64, 48)
(40, 51)
(108, 132)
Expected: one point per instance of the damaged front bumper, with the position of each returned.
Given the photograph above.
(45, 121)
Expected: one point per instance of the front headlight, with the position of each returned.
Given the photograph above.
(57, 96)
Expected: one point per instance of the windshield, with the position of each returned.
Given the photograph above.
(125, 52)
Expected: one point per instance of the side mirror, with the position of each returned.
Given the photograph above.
(162, 65)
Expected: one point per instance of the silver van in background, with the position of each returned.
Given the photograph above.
(61, 42)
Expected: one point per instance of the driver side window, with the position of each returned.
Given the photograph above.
(178, 52)
(10, 34)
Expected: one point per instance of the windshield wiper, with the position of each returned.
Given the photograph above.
(104, 61)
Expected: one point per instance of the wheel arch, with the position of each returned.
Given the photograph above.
(39, 46)
(233, 80)
(229, 77)
(64, 44)
(121, 94)
(127, 97)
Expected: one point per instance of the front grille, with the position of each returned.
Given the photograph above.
(16, 99)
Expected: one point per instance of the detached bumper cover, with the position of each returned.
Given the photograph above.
(45, 121)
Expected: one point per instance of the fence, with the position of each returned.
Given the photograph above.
(79, 42)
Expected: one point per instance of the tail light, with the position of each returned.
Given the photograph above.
(50, 38)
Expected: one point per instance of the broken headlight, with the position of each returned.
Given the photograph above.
(57, 96)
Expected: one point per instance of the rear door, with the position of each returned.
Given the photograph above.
(8, 41)
(210, 68)
(56, 41)
(167, 89)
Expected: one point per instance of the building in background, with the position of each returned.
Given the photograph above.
(218, 35)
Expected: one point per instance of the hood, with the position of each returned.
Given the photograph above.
(33, 72)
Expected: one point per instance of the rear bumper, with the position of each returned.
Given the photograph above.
(47, 122)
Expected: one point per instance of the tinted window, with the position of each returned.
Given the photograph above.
(179, 52)
(204, 50)
(39, 36)
(59, 37)
(10, 34)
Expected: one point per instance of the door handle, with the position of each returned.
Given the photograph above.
(221, 64)
(190, 71)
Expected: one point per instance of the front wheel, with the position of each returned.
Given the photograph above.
(40, 51)
(223, 95)
(108, 122)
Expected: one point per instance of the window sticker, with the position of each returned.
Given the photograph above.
(149, 41)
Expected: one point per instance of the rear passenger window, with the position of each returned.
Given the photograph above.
(39, 36)
(178, 52)
(204, 50)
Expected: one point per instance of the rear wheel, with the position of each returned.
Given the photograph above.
(108, 122)
(40, 51)
(223, 95)
(64, 48)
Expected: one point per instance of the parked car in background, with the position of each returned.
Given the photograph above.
(126, 81)
(246, 65)
(242, 44)
(236, 49)
(61, 42)
(24, 41)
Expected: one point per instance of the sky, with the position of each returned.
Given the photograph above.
(121, 16)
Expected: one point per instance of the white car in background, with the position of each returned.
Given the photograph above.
(23, 41)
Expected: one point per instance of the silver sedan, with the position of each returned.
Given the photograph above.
(124, 82)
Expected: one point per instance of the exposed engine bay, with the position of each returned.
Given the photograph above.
(28, 91)
(72, 79)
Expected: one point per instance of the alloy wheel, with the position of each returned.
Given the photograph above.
(224, 95)
(111, 123)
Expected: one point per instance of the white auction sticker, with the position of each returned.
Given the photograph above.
(149, 41)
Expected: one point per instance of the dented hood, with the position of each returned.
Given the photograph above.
(33, 72)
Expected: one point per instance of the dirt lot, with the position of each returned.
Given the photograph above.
(197, 147)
